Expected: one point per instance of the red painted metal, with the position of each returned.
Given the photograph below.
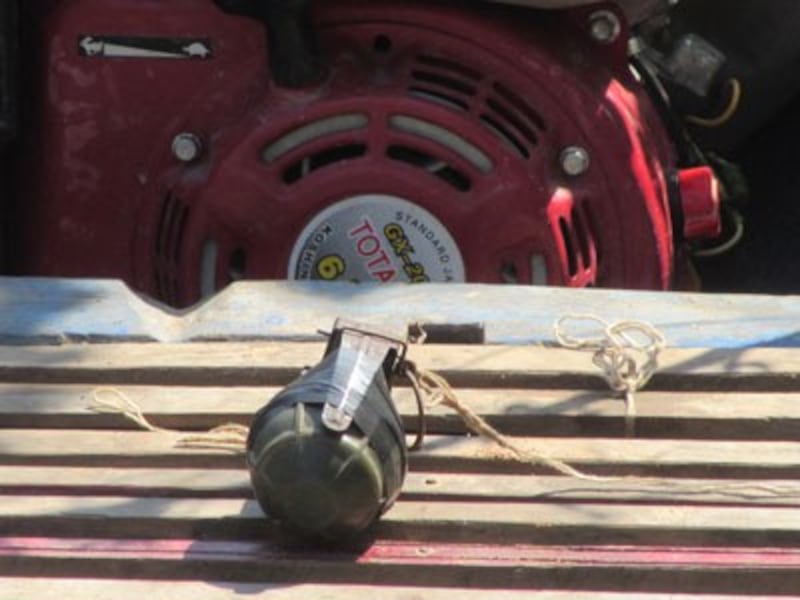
(421, 553)
(106, 197)
(700, 197)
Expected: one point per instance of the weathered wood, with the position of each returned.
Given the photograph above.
(706, 415)
(270, 363)
(56, 310)
(473, 521)
(645, 569)
(100, 589)
(686, 458)
(134, 482)
(235, 483)
(714, 510)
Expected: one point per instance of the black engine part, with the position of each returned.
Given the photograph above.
(8, 70)
(763, 50)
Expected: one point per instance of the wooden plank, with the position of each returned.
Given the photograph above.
(89, 589)
(562, 413)
(135, 482)
(54, 310)
(474, 521)
(215, 364)
(419, 486)
(650, 569)
(687, 458)
(722, 425)
(668, 458)
(96, 589)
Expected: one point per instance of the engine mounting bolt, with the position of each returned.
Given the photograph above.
(575, 161)
(604, 27)
(187, 147)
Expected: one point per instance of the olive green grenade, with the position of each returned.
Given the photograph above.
(327, 455)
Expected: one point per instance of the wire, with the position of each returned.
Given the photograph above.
(409, 369)
(728, 245)
(688, 152)
(729, 112)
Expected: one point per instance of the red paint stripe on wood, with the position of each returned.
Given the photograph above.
(385, 552)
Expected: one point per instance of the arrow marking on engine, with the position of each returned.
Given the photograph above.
(96, 46)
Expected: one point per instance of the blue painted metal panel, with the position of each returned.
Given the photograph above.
(53, 310)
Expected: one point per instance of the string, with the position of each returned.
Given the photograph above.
(626, 352)
(228, 436)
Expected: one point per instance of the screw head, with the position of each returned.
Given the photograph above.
(604, 27)
(575, 161)
(187, 147)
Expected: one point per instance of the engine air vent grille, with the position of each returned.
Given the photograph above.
(345, 132)
(302, 168)
(438, 97)
(460, 87)
(452, 84)
(309, 132)
(438, 168)
(171, 226)
(513, 120)
(446, 64)
(524, 109)
(445, 82)
(444, 137)
(580, 244)
(570, 247)
(505, 134)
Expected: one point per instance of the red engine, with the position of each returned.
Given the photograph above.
(446, 143)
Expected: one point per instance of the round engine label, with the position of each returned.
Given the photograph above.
(376, 238)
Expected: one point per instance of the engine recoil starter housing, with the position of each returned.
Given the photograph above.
(444, 142)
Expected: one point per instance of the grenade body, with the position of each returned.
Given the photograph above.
(322, 477)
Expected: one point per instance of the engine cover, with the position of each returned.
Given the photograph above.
(484, 144)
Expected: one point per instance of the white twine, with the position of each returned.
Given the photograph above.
(626, 352)
(228, 436)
